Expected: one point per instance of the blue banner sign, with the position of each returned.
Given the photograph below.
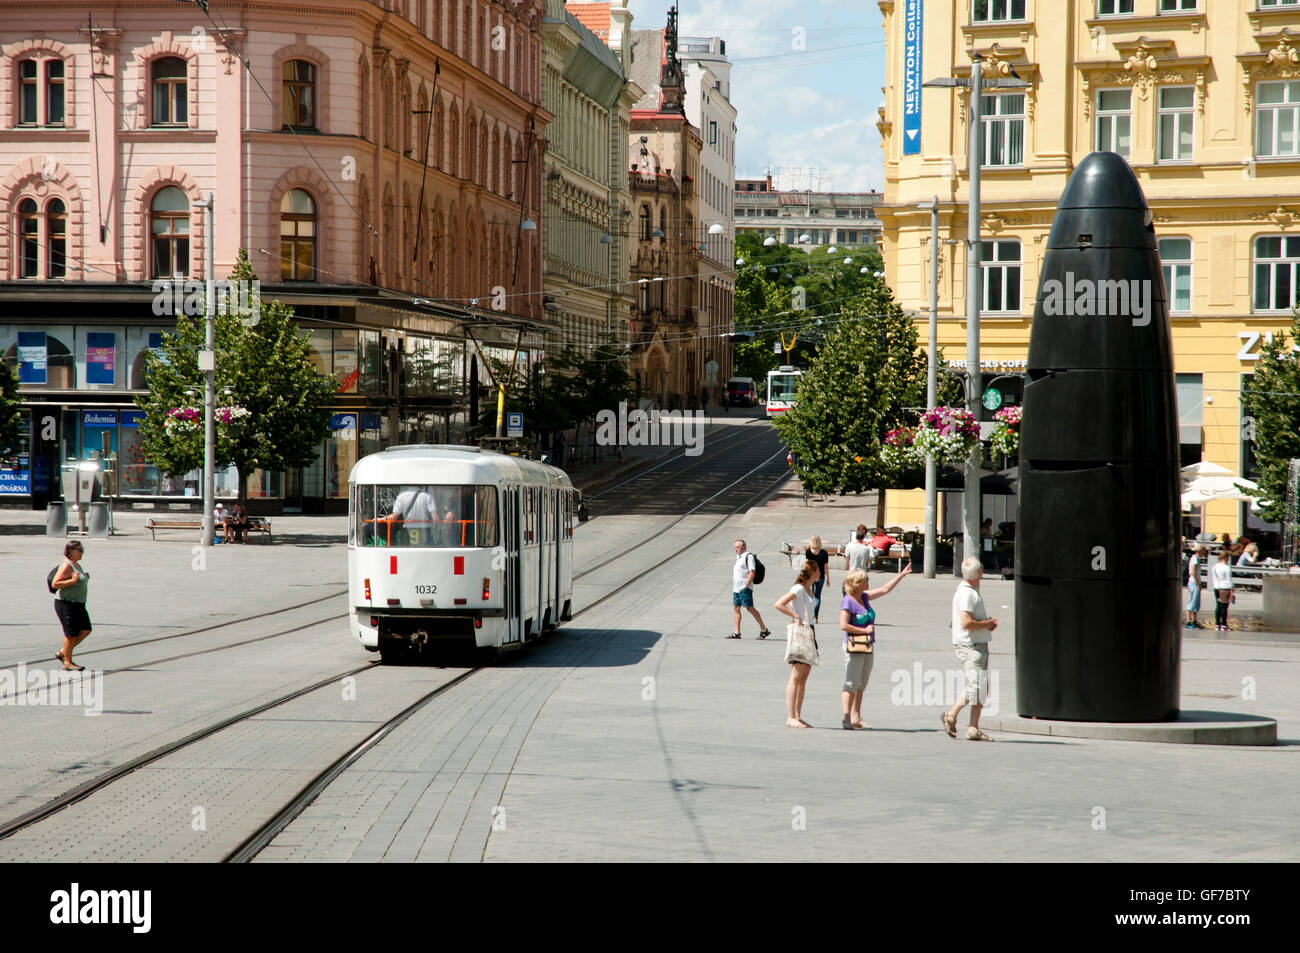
(32, 357)
(912, 78)
(99, 418)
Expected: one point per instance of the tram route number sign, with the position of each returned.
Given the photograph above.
(514, 425)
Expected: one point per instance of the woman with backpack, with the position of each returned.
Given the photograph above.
(70, 583)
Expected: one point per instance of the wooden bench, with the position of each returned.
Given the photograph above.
(790, 550)
(256, 524)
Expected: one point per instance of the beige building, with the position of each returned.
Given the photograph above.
(588, 205)
(1209, 120)
(805, 219)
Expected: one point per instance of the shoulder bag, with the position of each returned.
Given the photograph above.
(800, 644)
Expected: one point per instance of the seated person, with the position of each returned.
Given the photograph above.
(237, 525)
(219, 521)
(881, 542)
(1249, 554)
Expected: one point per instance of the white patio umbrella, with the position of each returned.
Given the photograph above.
(1205, 468)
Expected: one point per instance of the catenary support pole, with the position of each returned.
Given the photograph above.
(209, 375)
(970, 500)
(932, 396)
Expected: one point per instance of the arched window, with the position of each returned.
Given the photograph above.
(663, 222)
(56, 241)
(170, 99)
(169, 227)
(297, 236)
(29, 241)
(298, 100)
(645, 223)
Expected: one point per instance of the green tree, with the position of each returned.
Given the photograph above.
(868, 378)
(1272, 398)
(10, 406)
(265, 368)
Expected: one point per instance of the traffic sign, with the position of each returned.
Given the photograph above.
(514, 425)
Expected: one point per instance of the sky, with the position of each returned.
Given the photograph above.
(806, 82)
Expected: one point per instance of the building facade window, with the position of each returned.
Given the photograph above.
(299, 94)
(1277, 119)
(1114, 121)
(1277, 272)
(1000, 275)
(1111, 8)
(994, 11)
(1275, 4)
(645, 223)
(56, 239)
(297, 236)
(27, 92)
(1176, 266)
(1178, 6)
(1177, 111)
(1004, 129)
(29, 239)
(54, 99)
(169, 228)
(170, 99)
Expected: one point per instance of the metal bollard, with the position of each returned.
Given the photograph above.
(56, 519)
(99, 520)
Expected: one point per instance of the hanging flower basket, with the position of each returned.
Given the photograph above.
(899, 450)
(181, 421)
(949, 433)
(1006, 432)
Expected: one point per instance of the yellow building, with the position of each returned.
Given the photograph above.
(1209, 120)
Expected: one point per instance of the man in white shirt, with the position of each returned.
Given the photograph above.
(858, 553)
(416, 506)
(742, 593)
(971, 630)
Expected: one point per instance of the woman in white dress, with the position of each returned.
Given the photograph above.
(799, 605)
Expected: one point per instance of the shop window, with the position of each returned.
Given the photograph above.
(170, 230)
(170, 96)
(297, 236)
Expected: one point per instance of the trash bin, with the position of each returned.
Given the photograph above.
(56, 519)
(99, 520)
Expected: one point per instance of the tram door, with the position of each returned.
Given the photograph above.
(540, 510)
(561, 505)
(513, 576)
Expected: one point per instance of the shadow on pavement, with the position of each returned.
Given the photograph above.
(625, 647)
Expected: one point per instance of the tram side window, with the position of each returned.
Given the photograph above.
(363, 515)
(431, 516)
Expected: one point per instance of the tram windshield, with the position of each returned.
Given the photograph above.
(424, 516)
(782, 387)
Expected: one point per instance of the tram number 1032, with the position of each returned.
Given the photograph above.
(425, 590)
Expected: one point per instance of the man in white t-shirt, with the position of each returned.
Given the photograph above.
(971, 630)
(742, 593)
(858, 553)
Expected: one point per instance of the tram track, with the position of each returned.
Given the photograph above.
(260, 838)
(740, 431)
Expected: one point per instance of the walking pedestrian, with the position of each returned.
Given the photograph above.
(742, 590)
(857, 618)
(817, 554)
(798, 605)
(70, 585)
(1221, 581)
(971, 630)
(857, 553)
(1193, 583)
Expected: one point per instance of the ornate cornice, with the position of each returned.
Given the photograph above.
(1281, 216)
(1144, 64)
(1278, 58)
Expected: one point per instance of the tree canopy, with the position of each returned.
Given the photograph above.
(10, 406)
(782, 288)
(265, 368)
(1272, 398)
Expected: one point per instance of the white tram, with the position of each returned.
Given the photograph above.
(781, 386)
(457, 546)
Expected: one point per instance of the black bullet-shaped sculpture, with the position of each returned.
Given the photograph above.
(1097, 620)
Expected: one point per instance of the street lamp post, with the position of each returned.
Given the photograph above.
(970, 500)
(208, 364)
(932, 394)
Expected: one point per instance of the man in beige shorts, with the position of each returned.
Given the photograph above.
(971, 630)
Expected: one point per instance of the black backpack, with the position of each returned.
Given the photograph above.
(49, 580)
(759, 571)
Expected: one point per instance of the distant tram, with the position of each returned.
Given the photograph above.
(456, 546)
(781, 386)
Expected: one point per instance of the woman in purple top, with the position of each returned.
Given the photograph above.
(858, 618)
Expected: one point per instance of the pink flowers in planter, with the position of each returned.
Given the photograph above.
(1006, 431)
(949, 433)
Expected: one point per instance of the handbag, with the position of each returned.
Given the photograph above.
(1226, 596)
(859, 645)
(800, 644)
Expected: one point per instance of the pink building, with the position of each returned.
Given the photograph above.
(381, 162)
